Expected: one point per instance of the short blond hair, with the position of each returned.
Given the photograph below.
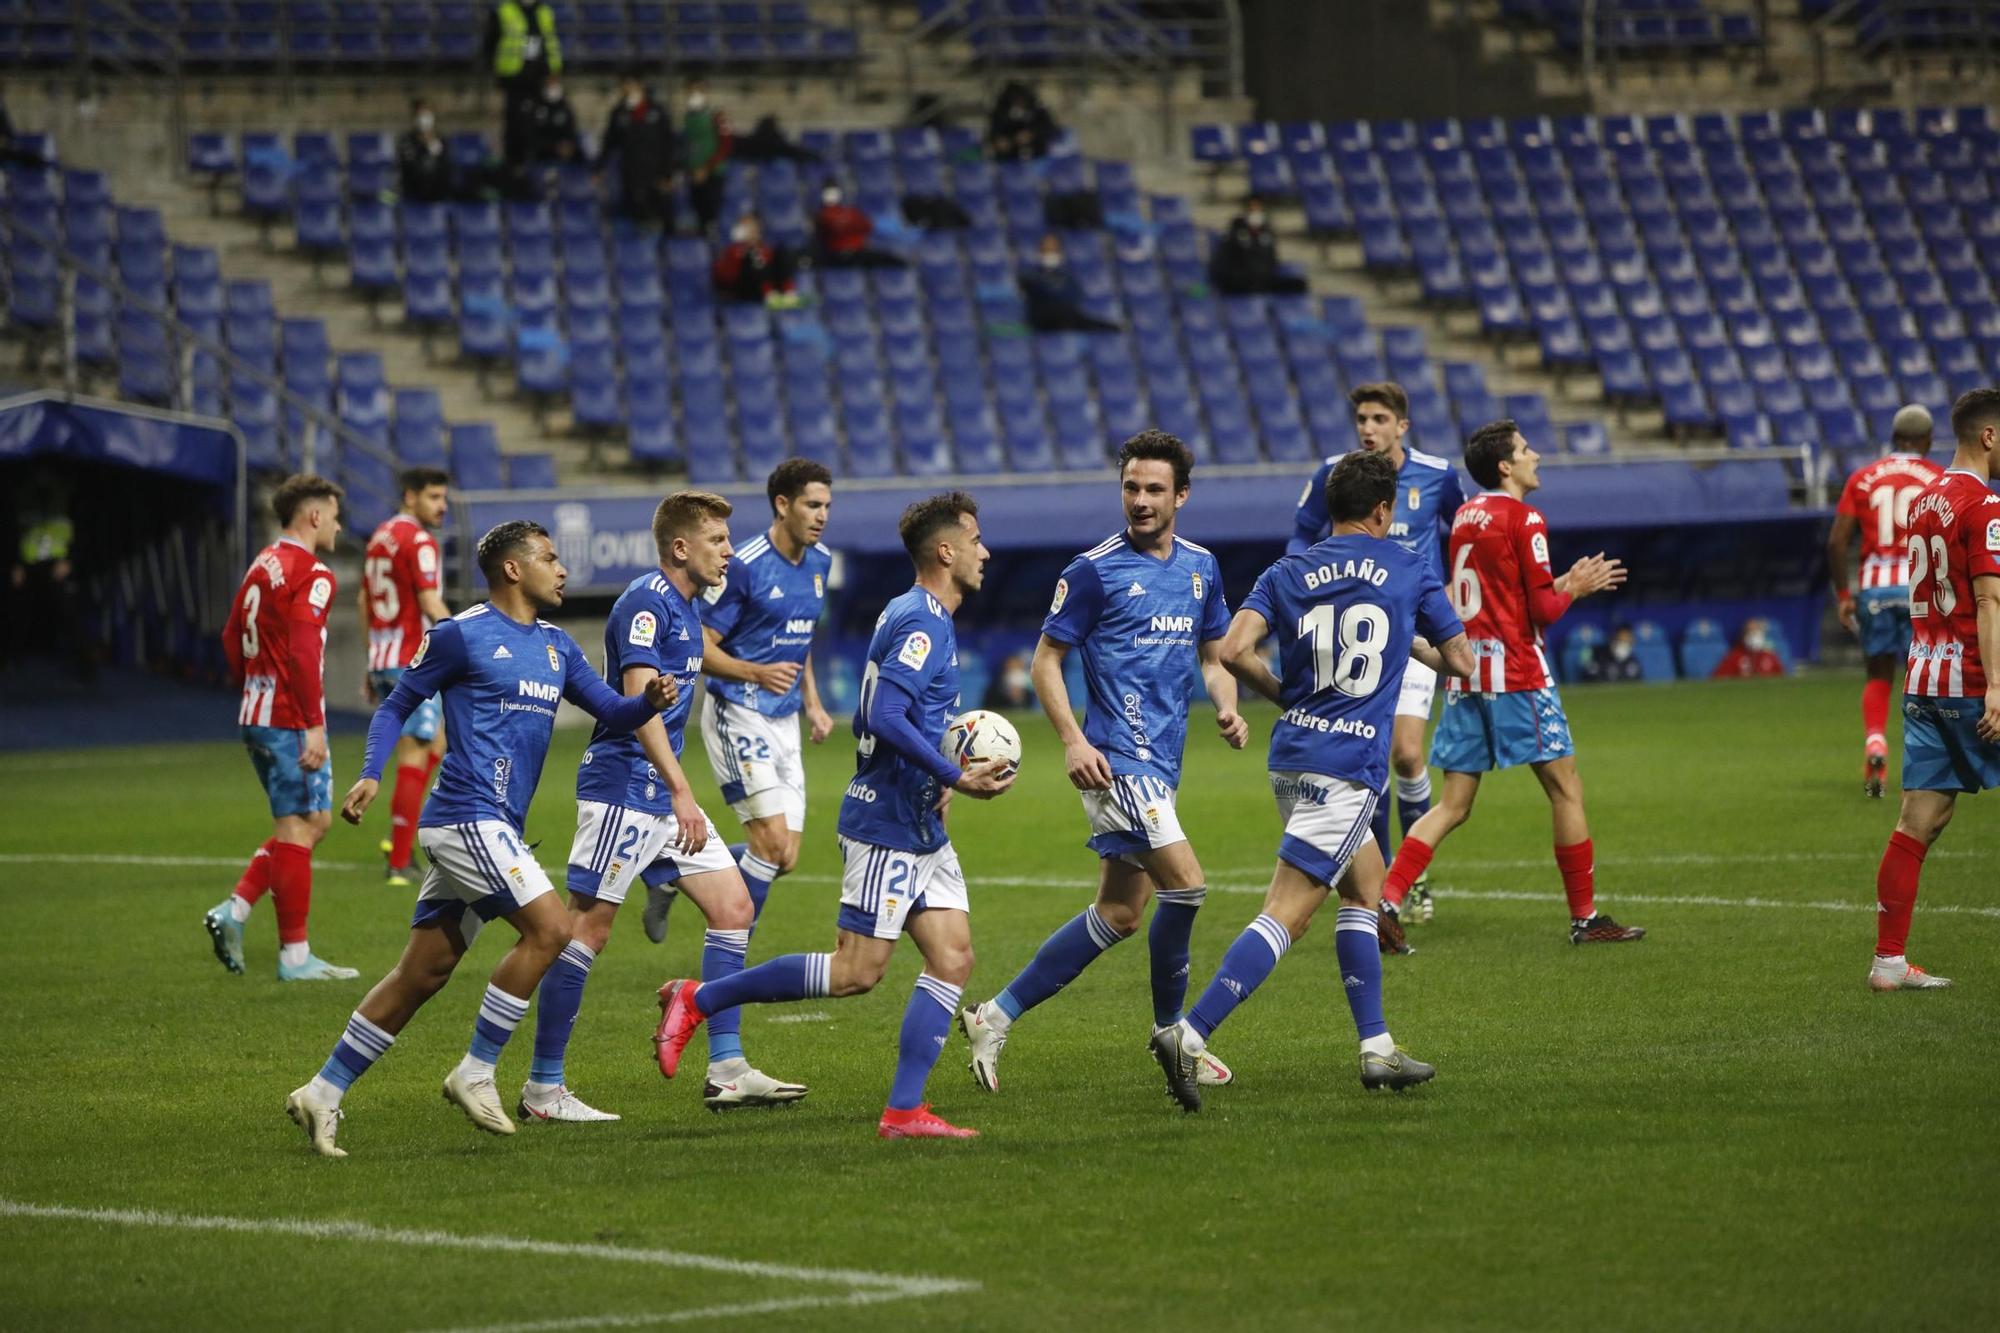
(681, 515)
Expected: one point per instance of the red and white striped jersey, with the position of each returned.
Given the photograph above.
(402, 561)
(276, 637)
(1954, 538)
(1877, 497)
(1499, 565)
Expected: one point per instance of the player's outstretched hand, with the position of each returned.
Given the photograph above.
(985, 779)
(778, 677)
(662, 692)
(1088, 770)
(691, 825)
(1233, 728)
(1594, 574)
(819, 722)
(359, 797)
(1850, 620)
(312, 755)
(1988, 725)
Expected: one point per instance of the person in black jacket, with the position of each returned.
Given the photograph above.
(1021, 128)
(640, 134)
(1054, 297)
(1245, 261)
(423, 167)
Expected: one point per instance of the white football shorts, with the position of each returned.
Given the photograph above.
(1419, 690)
(756, 761)
(1136, 815)
(615, 843)
(880, 886)
(482, 865)
(1326, 820)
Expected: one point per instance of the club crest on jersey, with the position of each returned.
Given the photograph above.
(1062, 595)
(1197, 587)
(916, 650)
(645, 628)
(555, 658)
(819, 585)
(1416, 497)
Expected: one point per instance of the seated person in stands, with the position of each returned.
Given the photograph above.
(841, 232)
(1013, 688)
(750, 269)
(1245, 262)
(13, 154)
(1021, 128)
(422, 165)
(1053, 295)
(1615, 660)
(766, 142)
(1752, 654)
(640, 135)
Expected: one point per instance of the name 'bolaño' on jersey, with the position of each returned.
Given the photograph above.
(1344, 612)
(1139, 622)
(765, 609)
(891, 802)
(651, 625)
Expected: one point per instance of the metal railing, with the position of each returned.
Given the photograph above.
(1126, 39)
(314, 425)
(1611, 35)
(1903, 34)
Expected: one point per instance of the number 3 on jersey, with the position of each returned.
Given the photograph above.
(1930, 563)
(1347, 658)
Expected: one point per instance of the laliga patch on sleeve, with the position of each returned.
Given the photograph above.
(320, 593)
(1539, 545)
(915, 650)
(1993, 535)
(423, 646)
(1062, 595)
(644, 630)
(427, 558)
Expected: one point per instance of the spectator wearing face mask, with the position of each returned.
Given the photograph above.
(749, 269)
(1245, 261)
(641, 137)
(1616, 659)
(841, 233)
(523, 48)
(1752, 654)
(1013, 688)
(705, 144)
(1054, 297)
(423, 167)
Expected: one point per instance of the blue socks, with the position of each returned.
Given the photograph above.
(1249, 960)
(1059, 961)
(499, 1014)
(1413, 801)
(1173, 925)
(722, 956)
(926, 1020)
(562, 996)
(792, 976)
(1355, 944)
(359, 1047)
(758, 876)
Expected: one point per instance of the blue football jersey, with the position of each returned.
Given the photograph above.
(765, 609)
(1139, 622)
(1344, 612)
(891, 802)
(651, 625)
(1428, 495)
(500, 682)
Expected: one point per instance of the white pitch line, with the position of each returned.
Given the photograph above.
(775, 1306)
(898, 1285)
(816, 1016)
(120, 859)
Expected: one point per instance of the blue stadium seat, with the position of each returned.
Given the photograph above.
(475, 457)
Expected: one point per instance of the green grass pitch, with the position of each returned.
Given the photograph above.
(1720, 1127)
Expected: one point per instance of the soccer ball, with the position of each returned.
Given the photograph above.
(980, 735)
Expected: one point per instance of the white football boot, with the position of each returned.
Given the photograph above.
(1899, 974)
(556, 1103)
(734, 1084)
(472, 1092)
(985, 1028)
(317, 1118)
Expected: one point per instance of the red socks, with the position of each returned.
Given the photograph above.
(1412, 859)
(292, 882)
(1578, 863)
(431, 766)
(404, 809)
(1875, 712)
(256, 881)
(1896, 893)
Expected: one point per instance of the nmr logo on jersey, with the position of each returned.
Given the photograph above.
(536, 689)
(799, 626)
(1174, 624)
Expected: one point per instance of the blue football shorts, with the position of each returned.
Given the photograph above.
(274, 753)
(424, 723)
(1483, 732)
(1942, 750)
(1882, 616)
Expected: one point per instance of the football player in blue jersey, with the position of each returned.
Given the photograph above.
(759, 624)
(502, 671)
(1428, 496)
(636, 815)
(901, 874)
(1145, 608)
(1349, 613)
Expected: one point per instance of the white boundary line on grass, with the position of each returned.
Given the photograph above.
(1858, 860)
(864, 1287)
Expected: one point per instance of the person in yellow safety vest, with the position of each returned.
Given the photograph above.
(522, 44)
